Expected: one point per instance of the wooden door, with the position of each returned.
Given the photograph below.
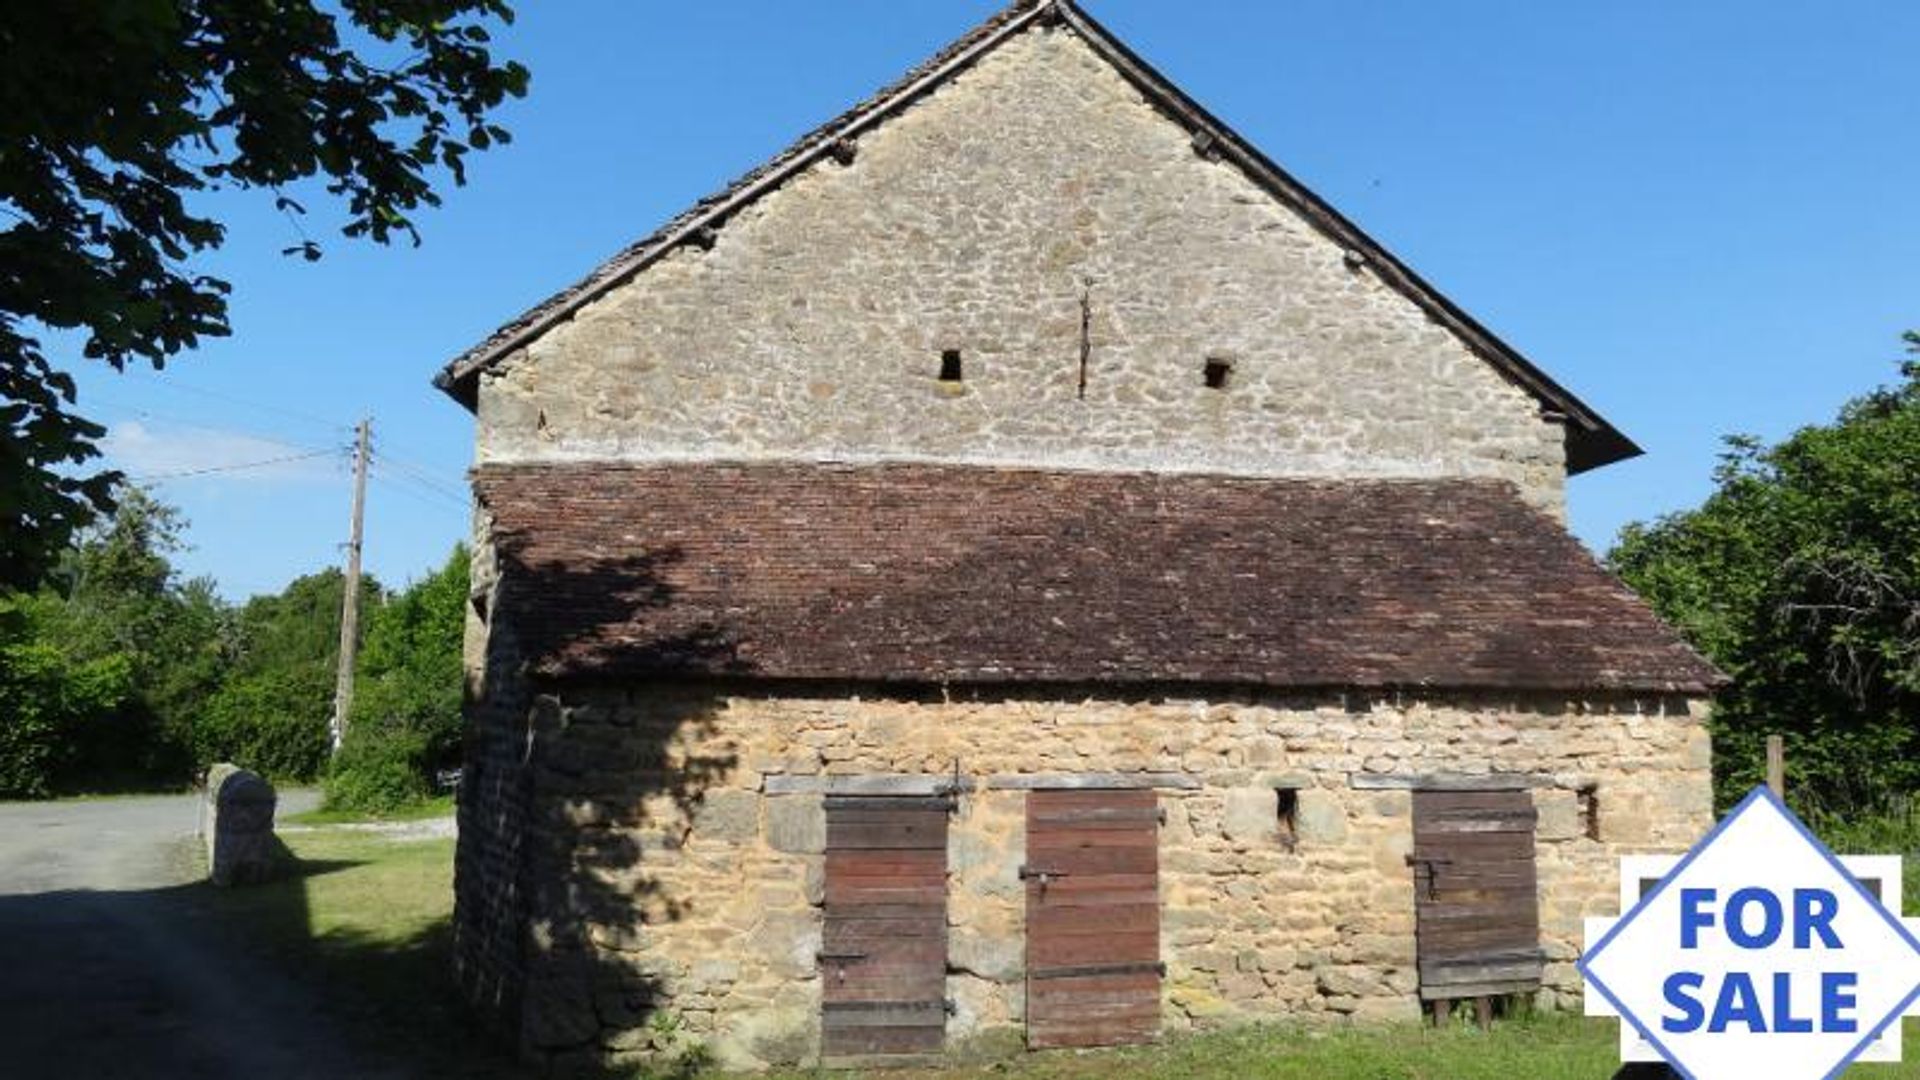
(1093, 918)
(1476, 896)
(883, 957)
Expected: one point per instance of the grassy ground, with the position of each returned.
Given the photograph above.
(364, 922)
(1544, 1048)
(432, 808)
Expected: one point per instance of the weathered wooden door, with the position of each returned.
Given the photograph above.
(1093, 918)
(1476, 897)
(883, 957)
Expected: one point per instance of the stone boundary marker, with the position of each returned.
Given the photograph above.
(236, 825)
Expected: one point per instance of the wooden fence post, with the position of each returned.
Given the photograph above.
(1777, 765)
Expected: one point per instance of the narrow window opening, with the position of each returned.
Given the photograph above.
(1590, 812)
(1287, 807)
(950, 366)
(1217, 371)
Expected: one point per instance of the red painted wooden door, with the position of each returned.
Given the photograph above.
(883, 956)
(1093, 918)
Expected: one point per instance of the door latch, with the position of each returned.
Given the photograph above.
(1044, 877)
(839, 960)
(1433, 864)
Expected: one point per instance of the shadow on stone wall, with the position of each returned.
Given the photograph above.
(607, 793)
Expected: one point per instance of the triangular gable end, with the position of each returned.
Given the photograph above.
(1591, 441)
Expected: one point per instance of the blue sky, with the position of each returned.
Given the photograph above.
(1699, 217)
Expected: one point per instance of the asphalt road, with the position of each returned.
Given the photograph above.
(109, 969)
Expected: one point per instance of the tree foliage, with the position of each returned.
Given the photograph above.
(115, 113)
(409, 672)
(120, 597)
(406, 706)
(116, 673)
(271, 712)
(47, 696)
(122, 652)
(1800, 577)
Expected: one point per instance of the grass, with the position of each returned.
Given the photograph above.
(1537, 1048)
(362, 921)
(438, 807)
(1891, 833)
(364, 924)
(1552, 1047)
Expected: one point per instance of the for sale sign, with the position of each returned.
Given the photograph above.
(1758, 954)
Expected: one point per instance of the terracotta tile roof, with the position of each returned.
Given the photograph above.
(1591, 440)
(931, 573)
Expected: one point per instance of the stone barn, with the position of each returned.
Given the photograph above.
(1019, 569)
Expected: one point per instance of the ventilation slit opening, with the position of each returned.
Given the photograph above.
(1287, 808)
(950, 366)
(1217, 371)
(1590, 812)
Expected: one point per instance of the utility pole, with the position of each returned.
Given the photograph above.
(350, 599)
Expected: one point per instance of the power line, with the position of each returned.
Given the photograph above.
(420, 451)
(171, 383)
(446, 508)
(426, 474)
(452, 495)
(142, 412)
(418, 492)
(234, 467)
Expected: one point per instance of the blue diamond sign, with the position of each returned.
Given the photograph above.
(1759, 953)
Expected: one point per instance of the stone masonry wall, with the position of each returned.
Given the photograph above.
(1033, 195)
(679, 897)
(490, 908)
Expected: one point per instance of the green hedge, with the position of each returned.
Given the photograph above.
(378, 771)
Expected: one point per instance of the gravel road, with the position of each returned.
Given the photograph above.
(105, 972)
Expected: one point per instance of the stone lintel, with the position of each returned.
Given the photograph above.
(877, 784)
(1294, 780)
(1091, 781)
(1448, 781)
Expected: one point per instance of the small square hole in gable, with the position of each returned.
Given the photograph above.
(950, 366)
(1216, 373)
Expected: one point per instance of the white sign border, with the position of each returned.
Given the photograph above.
(1756, 795)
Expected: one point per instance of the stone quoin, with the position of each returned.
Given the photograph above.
(1019, 568)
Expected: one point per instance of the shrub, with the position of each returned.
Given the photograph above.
(48, 699)
(273, 723)
(378, 771)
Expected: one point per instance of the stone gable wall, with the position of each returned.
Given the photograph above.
(678, 891)
(1034, 194)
